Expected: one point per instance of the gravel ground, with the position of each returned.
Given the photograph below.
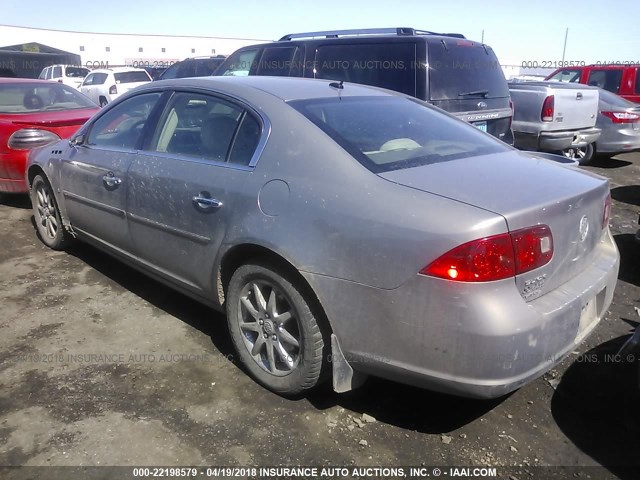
(101, 366)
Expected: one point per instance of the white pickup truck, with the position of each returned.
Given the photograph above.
(555, 117)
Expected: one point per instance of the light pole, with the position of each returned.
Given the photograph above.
(564, 49)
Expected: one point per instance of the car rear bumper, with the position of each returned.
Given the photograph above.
(556, 141)
(618, 140)
(474, 340)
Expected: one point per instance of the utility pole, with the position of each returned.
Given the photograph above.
(482, 36)
(564, 49)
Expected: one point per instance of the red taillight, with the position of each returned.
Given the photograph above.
(622, 117)
(533, 247)
(606, 214)
(495, 258)
(113, 90)
(547, 109)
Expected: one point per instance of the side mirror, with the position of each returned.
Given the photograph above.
(77, 140)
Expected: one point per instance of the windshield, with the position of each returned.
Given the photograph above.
(76, 72)
(391, 133)
(460, 69)
(36, 97)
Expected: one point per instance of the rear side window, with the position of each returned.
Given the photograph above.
(607, 79)
(386, 65)
(240, 63)
(461, 69)
(276, 62)
(206, 66)
(392, 133)
(98, 79)
(131, 77)
(571, 76)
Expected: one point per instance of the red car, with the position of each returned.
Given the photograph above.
(34, 113)
(621, 79)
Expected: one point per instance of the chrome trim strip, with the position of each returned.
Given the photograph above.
(166, 228)
(92, 203)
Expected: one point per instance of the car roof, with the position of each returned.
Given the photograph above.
(284, 88)
(117, 70)
(23, 80)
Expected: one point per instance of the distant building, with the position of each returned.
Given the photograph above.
(101, 50)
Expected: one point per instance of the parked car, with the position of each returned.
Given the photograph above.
(71, 75)
(621, 79)
(619, 120)
(192, 67)
(555, 117)
(105, 85)
(34, 113)
(444, 69)
(330, 217)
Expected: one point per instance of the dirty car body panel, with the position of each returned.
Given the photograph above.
(353, 191)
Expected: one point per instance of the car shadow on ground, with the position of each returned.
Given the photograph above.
(403, 406)
(629, 249)
(597, 406)
(605, 162)
(15, 200)
(628, 194)
(199, 316)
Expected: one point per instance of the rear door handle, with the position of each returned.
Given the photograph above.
(111, 181)
(205, 203)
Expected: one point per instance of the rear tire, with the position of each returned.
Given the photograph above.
(103, 102)
(47, 215)
(582, 155)
(273, 329)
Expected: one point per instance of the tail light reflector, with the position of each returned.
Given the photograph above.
(606, 214)
(547, 109)
(622, 117)
(496, 257)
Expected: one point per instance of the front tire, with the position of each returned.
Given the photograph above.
(47, 215)
(273, 329)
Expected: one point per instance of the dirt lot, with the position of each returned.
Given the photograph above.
(101, 366)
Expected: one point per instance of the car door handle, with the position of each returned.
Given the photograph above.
(205, 203)
(111, 181)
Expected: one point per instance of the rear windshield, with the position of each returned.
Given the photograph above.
(36, 97)
(460, 69)
(616, 101)
(392, 133)
(131, 77)
(76, 72)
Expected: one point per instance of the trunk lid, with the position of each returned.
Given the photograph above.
(526, 190)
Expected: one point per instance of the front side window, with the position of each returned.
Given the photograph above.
(637, 76)
(380, 65)
(240, 63)
(43, 74)
(276, 62)
(88, 80)
(57, 72)
(121, 127)
(49, 70)
(392, 133)
(607, 79)
(207, 127)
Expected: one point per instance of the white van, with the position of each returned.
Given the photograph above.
(68, 74)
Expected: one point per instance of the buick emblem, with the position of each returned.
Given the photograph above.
(584, 227)
(482, 105)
